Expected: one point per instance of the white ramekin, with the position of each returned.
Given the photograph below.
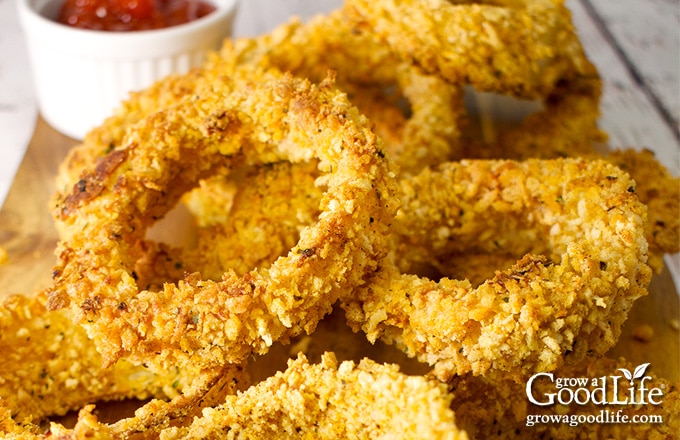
(82, 76)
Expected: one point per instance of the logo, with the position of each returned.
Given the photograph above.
(622, 389)
(630, 388)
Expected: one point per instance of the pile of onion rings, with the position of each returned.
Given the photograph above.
(341, 167)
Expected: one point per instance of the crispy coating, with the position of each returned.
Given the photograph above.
(491, 407)
(376, 80)
(418, 115)
(582, 229)
(109, 135)
(49, 367)
(430, 243)
(522, 48)
(244, 221)
(249, 118)
(330, 401)
(660, 191)
(490, 271)
(567, 127)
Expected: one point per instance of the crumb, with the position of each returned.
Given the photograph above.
(4, 256)
(643, 333)
(675, 324)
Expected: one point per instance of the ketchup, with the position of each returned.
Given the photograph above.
(131, 15)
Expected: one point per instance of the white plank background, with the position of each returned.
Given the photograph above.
(646, 34)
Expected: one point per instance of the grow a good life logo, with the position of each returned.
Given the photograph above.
(604, 399)
(605, 390)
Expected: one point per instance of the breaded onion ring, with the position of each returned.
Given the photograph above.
(251, 117)
(567, 127)
(660, 191)
(418, 115)
(331, 401)
(522, 48)
(582, 217)
(375, 78)
(50, 367)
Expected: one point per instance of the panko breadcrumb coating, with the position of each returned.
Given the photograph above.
(434, 128)
(252, 117)
(270, 206)
(566, 125)
(491, 270)
(583, 220)
(331, 401)
(49, 367)
(418, 115)
(522, 48)
(660, 191)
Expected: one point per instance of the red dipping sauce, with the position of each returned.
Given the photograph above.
(131, 15)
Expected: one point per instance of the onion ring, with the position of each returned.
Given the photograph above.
(270, 206)
(660, 191)
(567, 127)
(164, 306)
(203, 322)
(330, 401)
(417, 115)
(50, 367)
(523, 48)
(583, 215)
(376, 80)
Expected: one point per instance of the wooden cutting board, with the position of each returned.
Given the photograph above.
(29, 237)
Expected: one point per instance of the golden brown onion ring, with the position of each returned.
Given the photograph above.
(521, 48)
(417, 115)
(660, 191)
(50, 367)
(270, 206)
(582, 217)
(330, 401)
(376, 80)
(252, 117)
(567, 127)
